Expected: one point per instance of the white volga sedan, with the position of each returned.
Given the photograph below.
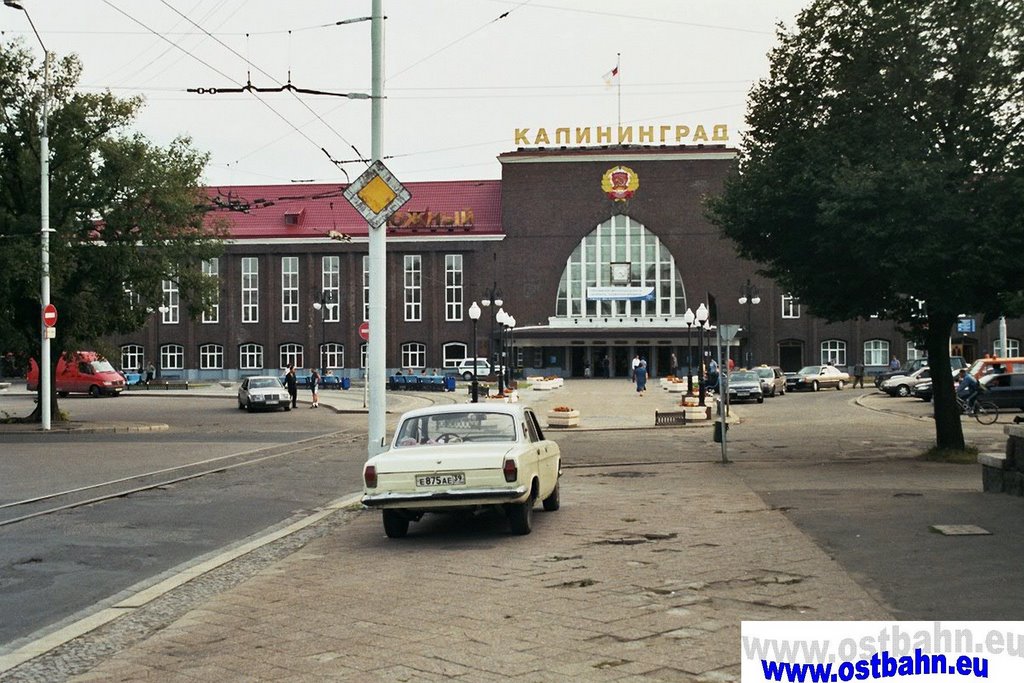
(464, 457)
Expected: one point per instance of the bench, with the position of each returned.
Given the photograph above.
(672, 417)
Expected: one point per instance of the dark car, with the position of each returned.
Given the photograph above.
(1005, 390)
(745, 385)
(922, 390)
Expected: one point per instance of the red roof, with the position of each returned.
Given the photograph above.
(314, 209)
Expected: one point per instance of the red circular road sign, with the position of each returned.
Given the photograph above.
(49, 315)
(364, 331)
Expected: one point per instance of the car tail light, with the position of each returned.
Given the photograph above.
(510, 470)
(370, 476)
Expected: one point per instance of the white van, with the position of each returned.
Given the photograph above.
(465, 368)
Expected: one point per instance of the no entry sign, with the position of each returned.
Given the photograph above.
(49, 315)
(364, 331)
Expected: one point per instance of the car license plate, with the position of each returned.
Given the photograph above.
(451, 479)
(743, 393)
(271, 400)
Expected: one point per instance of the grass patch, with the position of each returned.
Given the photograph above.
(968, 456)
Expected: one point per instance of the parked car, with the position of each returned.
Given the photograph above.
(1006, 390)
(902, 385)
(773, 381)
(922, 390)
(465, 368)
(263, 391)
(745, 385)
(955, 362)
(814, 377)
(80, 372)
(464, 457)
(985, 366)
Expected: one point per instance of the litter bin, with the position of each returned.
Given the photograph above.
(718, 431)
(449, 383)
(346, 383)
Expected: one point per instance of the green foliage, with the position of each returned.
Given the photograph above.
(125, 214)
(885, 160)
(883, 169)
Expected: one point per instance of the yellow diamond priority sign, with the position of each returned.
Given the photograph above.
(377, 194)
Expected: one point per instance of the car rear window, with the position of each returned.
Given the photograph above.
(469, 426)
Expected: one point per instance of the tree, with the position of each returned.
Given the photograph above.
(883, 168)
(125, 214)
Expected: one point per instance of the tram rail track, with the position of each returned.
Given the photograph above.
(51, 503)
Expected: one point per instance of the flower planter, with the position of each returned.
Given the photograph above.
(564, 418)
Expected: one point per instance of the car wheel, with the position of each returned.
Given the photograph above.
(248, 405)
(467, 376)
(760, 399)
(839, 385)
(520, 517)
(63, 394)
(814, 385)
(241, 406)
(94, 391)
(903, 391)
(552, 502)
(287, 407)
(396, 525)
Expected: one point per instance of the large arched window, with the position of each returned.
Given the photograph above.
(132, 356)
(452, 353)
(620, 269)
(833, 351)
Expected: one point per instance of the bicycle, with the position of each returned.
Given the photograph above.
(985, 412)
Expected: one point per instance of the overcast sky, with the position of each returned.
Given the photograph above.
(460, 78)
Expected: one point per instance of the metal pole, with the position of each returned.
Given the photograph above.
(476, 386)
(377, 344)
(723, 396)
(45, 380)
(501, 359)
(689, 362)
(701, 389)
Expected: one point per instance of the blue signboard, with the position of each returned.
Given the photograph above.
(964, 325)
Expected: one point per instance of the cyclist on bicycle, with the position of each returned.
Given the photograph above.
(968, 389)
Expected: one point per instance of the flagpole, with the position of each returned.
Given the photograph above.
(618, 59)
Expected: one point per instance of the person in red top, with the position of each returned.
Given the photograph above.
(732, 363)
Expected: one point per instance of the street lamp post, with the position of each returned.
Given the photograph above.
(326, 301)
(45, 380)
(501, 317)
(749, 297)
(162, 309)
(688, 320)
(510, 363)
(474, 315)
(701, 317)
(492, 301)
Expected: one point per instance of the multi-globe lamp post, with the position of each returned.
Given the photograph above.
(508, 324)
(324, 306)
(701, 318)
(474, 315)
(492, 301)
(689, 319)
(162, 309)
(749, 297)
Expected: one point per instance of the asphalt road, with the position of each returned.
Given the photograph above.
(54, 566)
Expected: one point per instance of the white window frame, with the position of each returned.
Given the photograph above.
(250, 290)
(171, 299)
(291, 354)
(133, 356)
(913, 353)
(453, 294)
(330, 287)
(211, 268)
(452, 353)
(833, 351)
(790, 307)
(211, 357)
(289, 289)
(1013, 345)
(332, 356)
(362, 355)
(172, 357)
(412, 278)
(250, 357)
(876, 352)
(414, 355)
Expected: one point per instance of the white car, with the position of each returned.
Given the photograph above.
(263, 391)
(465, 368)
(454, 458)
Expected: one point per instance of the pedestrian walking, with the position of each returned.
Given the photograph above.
(314, 386)
(150, 372)
(634, 366)
(641, 378)
(292, 385)
(673, 365)
(858, 374)
(894, 364)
